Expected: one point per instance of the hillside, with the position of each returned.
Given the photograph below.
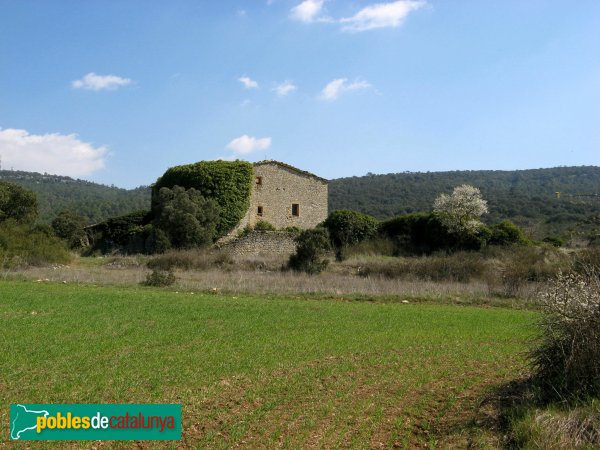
(96, 202)
(525, 196)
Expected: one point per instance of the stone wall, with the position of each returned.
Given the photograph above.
(262, 243)
(281, 187)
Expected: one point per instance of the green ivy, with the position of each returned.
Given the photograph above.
(229, 183)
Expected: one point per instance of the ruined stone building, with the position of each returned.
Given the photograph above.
(286, 196)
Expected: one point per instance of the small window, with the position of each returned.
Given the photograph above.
(259, 211)
(258, 180)
(295, 209)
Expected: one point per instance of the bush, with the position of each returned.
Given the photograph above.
(70, 227)
(263, 225)
(506, 233)
(566, 358)
(228, 183)
(195, 259)
(186, 217)
(310, 247)
(424, 233)
(348, 228)
(126, 233)
(22, 246)
(554, 241)
(459, 267)
(17, 203)
(160, 278)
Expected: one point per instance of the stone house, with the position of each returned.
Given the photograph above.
(285, 196)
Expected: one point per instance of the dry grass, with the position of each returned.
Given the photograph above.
(578, 428)
(263, 276)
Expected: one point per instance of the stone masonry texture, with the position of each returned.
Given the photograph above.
(282, 186)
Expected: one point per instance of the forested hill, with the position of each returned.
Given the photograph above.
(524, 196)
(96, 202)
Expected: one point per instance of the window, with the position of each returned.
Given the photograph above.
(258, 180)
(259, 211)
(295, 209)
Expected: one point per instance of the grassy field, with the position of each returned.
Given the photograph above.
(265, 371)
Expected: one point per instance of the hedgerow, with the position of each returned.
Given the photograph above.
(229, 183)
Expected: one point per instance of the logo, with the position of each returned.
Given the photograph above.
(95, 422)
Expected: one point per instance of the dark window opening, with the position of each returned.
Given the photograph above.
(259, 211)
(295, 209)
(258, 180)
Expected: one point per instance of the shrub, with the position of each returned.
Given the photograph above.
(292, 229)
(519, 265)
(17, 203)
(424, 233)
(371, 247)
(554, 241)
(506, 233)
(349, 227)
(22, 246)
(566, 358)
(263, 225)
(228, 183)
(160, 278)
(121, 233)
(310, 247)
(194, 259)
(70, 227)
(460, 267)
(186, 217)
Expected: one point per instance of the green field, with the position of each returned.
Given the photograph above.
(263, 372)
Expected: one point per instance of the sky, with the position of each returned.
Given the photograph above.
(117, 91)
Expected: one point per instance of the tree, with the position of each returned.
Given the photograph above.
(506, 233)
(348, 227)
(70, 227)
(17, 203)
(461, 211)
(310, 247)
(186, 217)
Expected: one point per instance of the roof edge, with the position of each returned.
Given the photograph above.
(291, 168)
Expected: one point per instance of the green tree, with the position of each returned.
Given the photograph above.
(70, 227)
(17, 203)
(228, 183)
(186, 217)
(349, 227)
(310, 247)
(506, 233)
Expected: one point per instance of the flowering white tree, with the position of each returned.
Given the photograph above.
(461, 211)
(566, 358)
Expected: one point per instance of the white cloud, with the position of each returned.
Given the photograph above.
(340, 85)
(94, 82)
(247, 144)
(248, 82)
(307, 11)
(52, 153)
(381, 15)
(285, 88)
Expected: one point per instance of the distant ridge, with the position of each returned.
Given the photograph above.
(94, 201)
(526, 197)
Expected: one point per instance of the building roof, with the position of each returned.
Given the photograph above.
(291, 169)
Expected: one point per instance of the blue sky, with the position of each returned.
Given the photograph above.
(116, 91)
